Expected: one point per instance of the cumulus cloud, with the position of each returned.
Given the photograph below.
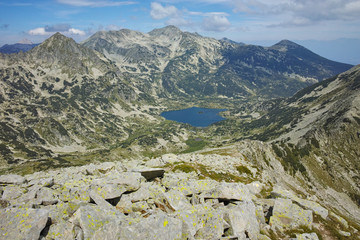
(216, 23)
(95, 3)
(293, 12)
(173, 15)
(51, 29)
(159, 11)
(300, 12)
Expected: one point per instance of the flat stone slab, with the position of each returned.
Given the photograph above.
(151, 173)
(11, 179)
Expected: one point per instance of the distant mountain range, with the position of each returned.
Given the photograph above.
(17, 47)
(169, 62)
(62, 96)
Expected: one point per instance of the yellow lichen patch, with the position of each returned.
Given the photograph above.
(165, 222)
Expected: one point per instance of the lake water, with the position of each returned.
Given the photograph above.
(197, 117)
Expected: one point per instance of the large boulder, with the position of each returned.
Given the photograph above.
(151, 173)
(12, 192)
(61, 230)
(22, 223)
(313, 206)
(46, 196)
(115, 184)
(242, 220)
(289, 215)
(229, 191)
(157, 226)
(175, 200)
(90, 218)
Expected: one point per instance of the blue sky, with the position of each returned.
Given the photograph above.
(312, 23)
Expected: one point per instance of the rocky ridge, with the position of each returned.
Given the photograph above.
(169, 62)
(133, 200)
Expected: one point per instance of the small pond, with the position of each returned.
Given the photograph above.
(197, 117)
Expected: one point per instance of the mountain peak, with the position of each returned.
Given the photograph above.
(286, 43)
(168, 30)
(57, 41)
(58, 36)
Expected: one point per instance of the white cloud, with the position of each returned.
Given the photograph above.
(300, 12)
(38, 31)
(95, 3)
(216, 23)
(158, 11)
(73, 31)
(50, 30)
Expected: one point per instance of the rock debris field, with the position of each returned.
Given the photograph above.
(114, 201)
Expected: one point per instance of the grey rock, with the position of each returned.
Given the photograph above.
(22, 223)
(73, 194)
(157, 226)
(242, 219)
(229, 191)
(211, 225)
(202, 221)
(279, 192)
(46, 196)
(307, 236)
(255, 187)
(148, 190)
(175, 199)
(313, 206)
(345, 234)
(108, 191)
(101, 202)
(289, 215)
(172, 180)
(12, 192)
(109, 231)
(125, 204)
(62, 211)
(195, 186)
(151, 173)
(115, 184)
(11, 179)
(340, 219)
(61, 231)
(43, 182)
(92, 217)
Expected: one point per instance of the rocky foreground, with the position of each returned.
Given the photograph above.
(135, 200)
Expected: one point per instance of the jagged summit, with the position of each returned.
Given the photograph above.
(63, 52)
(285, 45)
(168, 30)
(59, 40)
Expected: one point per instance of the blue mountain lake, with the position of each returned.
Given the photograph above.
(197, 117)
